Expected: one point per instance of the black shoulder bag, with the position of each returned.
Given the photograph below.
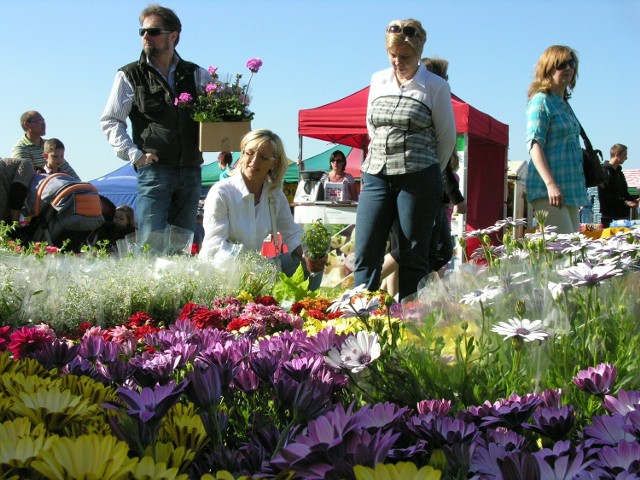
(591, 160)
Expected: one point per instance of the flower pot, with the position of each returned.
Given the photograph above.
(315, 265)
(222, 136)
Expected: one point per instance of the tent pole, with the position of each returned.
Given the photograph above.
(300, 163)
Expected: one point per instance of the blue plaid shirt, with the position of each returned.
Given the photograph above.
(552, 124)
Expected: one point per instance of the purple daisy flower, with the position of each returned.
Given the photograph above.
(598, 380)
(553, 422)
(626, 402)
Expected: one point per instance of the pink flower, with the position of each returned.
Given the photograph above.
(211, 87)
(4, 337)
(95, 331)
(26, 341)
(183, 98)
(213, 70)
(254, 64)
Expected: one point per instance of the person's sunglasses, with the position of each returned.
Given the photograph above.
(339, 160)
(407, 31)
(154, 32)
(567, 63)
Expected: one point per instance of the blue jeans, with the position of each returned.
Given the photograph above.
(412, 198)
(167, 195)
(441, 246)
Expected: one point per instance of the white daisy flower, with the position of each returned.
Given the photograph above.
(332, 358)
(524, 329)
(360, 350)
(487, 293)
(360, 306)
(558, 289)
(345, 299)
(584, 274)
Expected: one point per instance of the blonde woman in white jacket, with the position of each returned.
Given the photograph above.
(237, 209)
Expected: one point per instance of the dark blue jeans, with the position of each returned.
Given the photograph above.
(167, 195)
(441, 247)
(412, 198)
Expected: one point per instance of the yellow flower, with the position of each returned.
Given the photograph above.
(244, 297)
(400, 471)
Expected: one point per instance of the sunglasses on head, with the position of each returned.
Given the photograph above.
(567, 63)
(154, 32)
(407, 31)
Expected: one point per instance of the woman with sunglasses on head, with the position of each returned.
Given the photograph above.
(241, 209)
(412, 130)
(555, 176)
(337, 174)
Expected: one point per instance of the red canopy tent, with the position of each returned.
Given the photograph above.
(482, 142)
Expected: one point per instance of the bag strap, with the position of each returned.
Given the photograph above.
(583, 134)
(274, 230)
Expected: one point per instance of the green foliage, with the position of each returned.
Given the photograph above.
(291, 289)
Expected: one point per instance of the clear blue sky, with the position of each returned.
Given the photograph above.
(60, 58)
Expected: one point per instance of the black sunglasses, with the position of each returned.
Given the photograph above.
(567, 63)
(407, 31)
(154, 32)
(339, 160)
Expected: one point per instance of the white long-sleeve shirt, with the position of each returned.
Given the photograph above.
(231, 217)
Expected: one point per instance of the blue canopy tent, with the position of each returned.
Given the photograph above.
(118, 186)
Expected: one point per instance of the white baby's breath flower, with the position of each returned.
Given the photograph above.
(524, 329)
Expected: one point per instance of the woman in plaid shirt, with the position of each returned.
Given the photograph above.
(555, 177)
(412, 130)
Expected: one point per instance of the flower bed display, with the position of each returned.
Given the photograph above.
(526, 367)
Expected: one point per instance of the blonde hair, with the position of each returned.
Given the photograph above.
(546, 67)
(416, 41)
(257, 138)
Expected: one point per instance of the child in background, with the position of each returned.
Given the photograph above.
(54, 158)
(125, 218)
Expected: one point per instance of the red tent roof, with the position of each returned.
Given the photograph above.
(344, 121)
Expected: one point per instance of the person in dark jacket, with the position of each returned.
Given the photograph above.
(163, 146)
(15, 178)
(615, 201)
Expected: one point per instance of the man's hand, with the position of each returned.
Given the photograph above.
(146, 159)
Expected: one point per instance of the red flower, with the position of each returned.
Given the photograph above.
(188, 310)
(139, 318)
(4, 337)
(79, 331)
(332, 315)
(140, 332)
(297, 307)
(266, 300)
(25, 341)
(317, 314)
(204, 318)
(237, 324)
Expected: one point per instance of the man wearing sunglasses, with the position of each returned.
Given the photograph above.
(163, 145)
